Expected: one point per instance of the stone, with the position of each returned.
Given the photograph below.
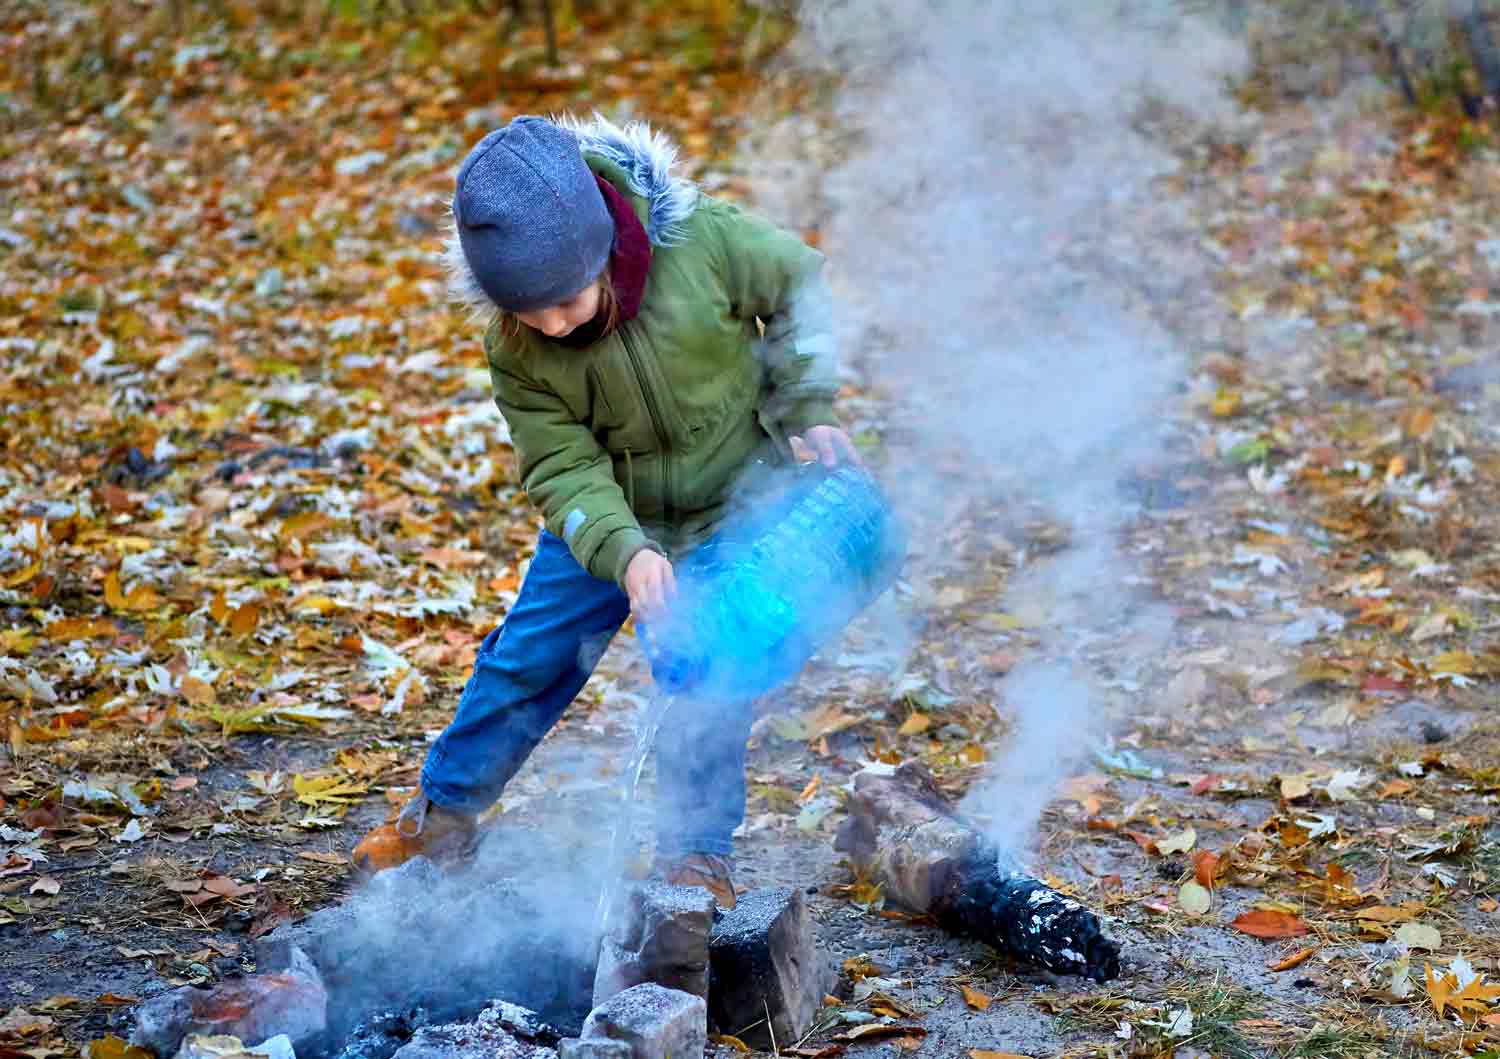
(277, 1047)
(594, 1048)
(659, 934)
(487, 1036)
(764, 960)
(657, 1022)
(291, 1002)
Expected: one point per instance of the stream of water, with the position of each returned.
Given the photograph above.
(656, 708)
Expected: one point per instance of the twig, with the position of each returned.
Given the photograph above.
(770, 1026)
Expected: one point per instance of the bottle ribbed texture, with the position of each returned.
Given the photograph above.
(760, 598)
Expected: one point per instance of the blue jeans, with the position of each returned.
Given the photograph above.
(529, 670)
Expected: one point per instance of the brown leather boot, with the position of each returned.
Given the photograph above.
(422, 829)
(708, 870)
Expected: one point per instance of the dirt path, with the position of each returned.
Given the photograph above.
(1296, 674)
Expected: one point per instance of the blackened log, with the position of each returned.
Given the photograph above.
(1028, 919)
(904, 835)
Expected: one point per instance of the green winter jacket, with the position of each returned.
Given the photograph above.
(639, 439)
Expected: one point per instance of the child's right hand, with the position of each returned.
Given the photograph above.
(650, 583)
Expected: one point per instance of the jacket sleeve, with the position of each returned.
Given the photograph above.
(772, 275)
(569, 476)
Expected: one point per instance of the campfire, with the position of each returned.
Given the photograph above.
(422, 964)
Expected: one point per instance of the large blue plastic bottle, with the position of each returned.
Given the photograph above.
(758, 599)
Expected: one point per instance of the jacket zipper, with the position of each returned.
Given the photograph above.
(657, 424)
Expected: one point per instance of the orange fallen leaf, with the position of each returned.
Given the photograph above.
(244, 619)
(916, 724)
(198, 692)
(1266, 923)
(1206, 867)
(985, 1053)
(1473, 999)
(142, 597)
(975, 999)
(1296, 959)
(81, 629)
(811, 789)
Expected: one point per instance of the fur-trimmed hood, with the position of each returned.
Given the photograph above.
(644, 154)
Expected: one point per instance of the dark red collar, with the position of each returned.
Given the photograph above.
(630, 260)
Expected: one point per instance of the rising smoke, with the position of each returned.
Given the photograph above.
(997, 236)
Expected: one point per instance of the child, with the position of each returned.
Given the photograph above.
(650, 345)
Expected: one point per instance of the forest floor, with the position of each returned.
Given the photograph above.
(256, 513)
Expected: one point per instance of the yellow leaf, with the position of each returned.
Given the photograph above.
(113, 1047)
(1226, 403)
(811, 789)
(916, 724)
(326, 790)
(1461, 663)
(729, 1041)
(219, 608)
(304, 525)
(1294, 787)
(320, 604)
(975, 999)
(21, 576)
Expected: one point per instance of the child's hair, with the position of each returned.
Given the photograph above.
(609, 305)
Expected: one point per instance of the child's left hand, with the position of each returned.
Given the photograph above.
(827, 445)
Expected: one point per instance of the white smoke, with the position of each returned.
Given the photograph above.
(999, 240)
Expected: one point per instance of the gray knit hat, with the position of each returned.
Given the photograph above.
(531, 221)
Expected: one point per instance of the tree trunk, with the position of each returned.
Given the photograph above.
(550, 28)
(1481, 41)
(1371, 10)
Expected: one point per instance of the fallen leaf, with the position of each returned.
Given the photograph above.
(45, 885)
(985, 1053)
(874, 1031)
(198, 692)
(113, 1047)
(1266, 923)
(1419, 936)
(1294, 787)
(244, 619)
(1178, 843)
(916, 724)
(1194, 898)
(1296, 959)
(975, 999)
(730, 1041)
(1206, 867)
(327, 790)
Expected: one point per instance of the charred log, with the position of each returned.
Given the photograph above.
(905, 835)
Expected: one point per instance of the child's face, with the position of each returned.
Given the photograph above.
(558, 321)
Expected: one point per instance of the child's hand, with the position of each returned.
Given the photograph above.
(650, 583)
(830, 446)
